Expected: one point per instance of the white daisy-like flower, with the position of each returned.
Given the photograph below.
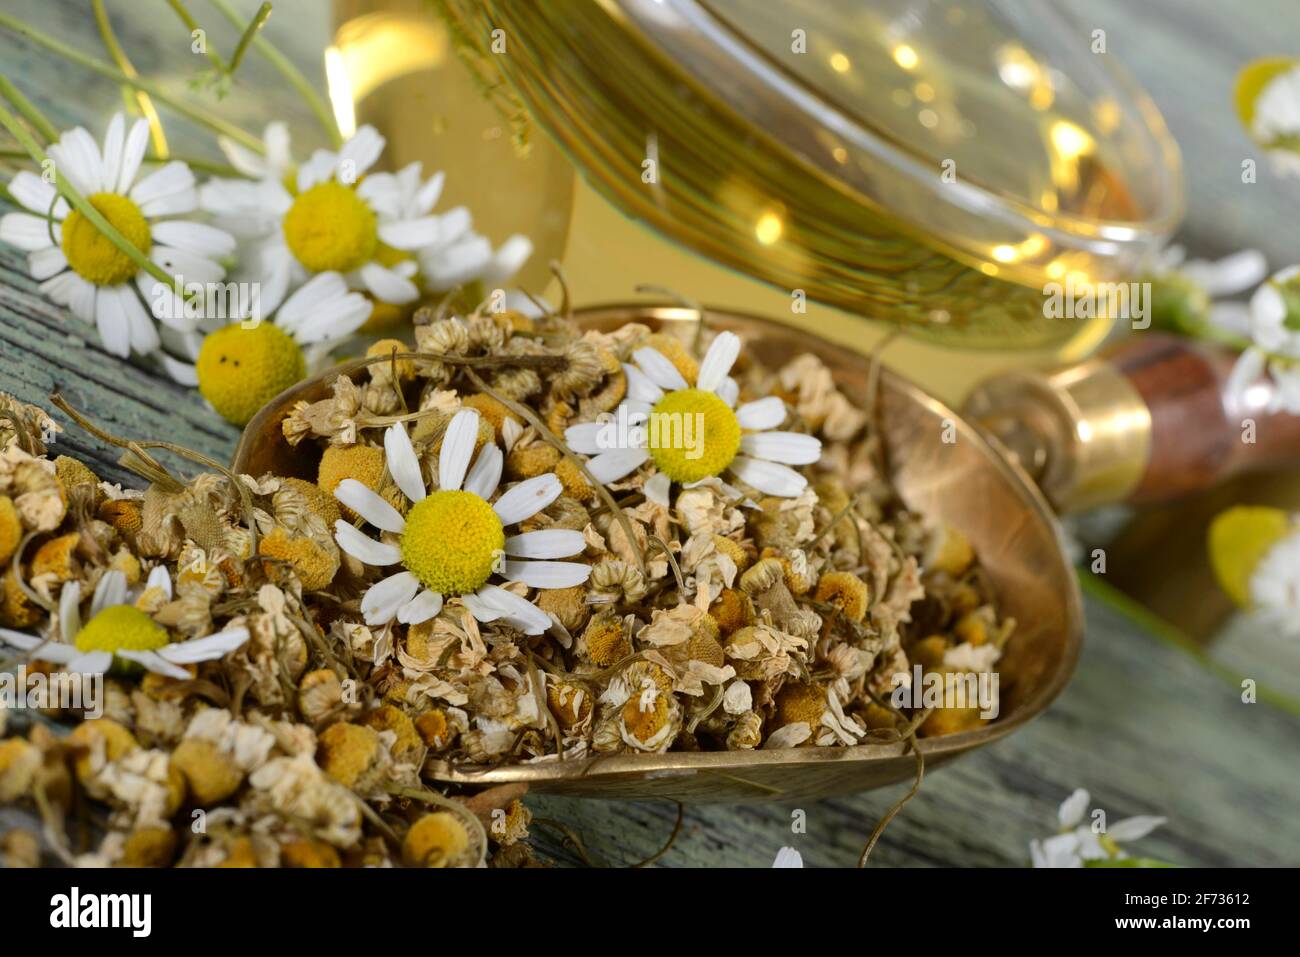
(335, 216)
(317, 316)
(460, 255)
(1275, 586)
(452, 540)
(1266, 377)
(1276, 122)
(80, 268)
(117, 629)
(694, 432)
(1078, 843)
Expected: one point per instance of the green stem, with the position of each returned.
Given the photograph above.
(194, 162)
(193, 26)
(142, 100)
(290, 72)
(1094, 585)
(214, 123)
(80, 203)
(249, 35)
(27, 109)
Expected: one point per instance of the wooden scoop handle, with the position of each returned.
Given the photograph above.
(1147, 420)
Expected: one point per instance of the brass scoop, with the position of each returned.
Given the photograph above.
(967, 483)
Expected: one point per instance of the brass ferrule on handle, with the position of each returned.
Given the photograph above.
(1145, 421)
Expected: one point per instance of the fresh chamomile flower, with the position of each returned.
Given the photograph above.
(693, 432)
(1268, 94)
(1188, 294)
(79, 267)
(1267, 375)
(1275, 587)
(453, 540)
(119, 632)
(242, 366)
(336, 217)
(460, 255)
(1078, 843)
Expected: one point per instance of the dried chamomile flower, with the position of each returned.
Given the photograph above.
(439, 839)
(509, 825)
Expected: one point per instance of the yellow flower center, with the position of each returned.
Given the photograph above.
(330, 227)
(692, 435)
(240, 369)
(121, 628)
(92, 255)
(452, 541)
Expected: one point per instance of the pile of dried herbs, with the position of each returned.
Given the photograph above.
(493, 566)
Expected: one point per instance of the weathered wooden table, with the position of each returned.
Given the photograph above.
(1145, 727)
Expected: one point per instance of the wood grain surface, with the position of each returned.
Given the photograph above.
(1145, 727)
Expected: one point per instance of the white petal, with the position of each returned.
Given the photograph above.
(547, 543)
(518, 612)
(661, 372)
(728, 391)
(198, 238)
(457, 446)
(481, 609)
(1073, 808)
(141, 332)
(547, 574)
(70, 610)
(586, 437)
(380, 603)
(717, 362)
(410, 233)
(528, 498)
(485, 474)
(190, 266)
(156, 663)
(183, 373)
(25, 231)
(161, 579)
(33, 193)
(110, 319)
(791, 448)
(613, 465)
(137, 141)
(403, 464)
(91, 663)
(508, 259)
(76, 156)
(45, 263)
(367, 503)
(422, 607)
(1229, 275)
(639, 386)
(762, 414)
(360, 152)
(113, 140)
(387, 285)
(656, 489)
(768, 477)
(1134, 828)
(205, 649)
(171, 181)
(110, 591)
(19, 640)
(364, 548)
